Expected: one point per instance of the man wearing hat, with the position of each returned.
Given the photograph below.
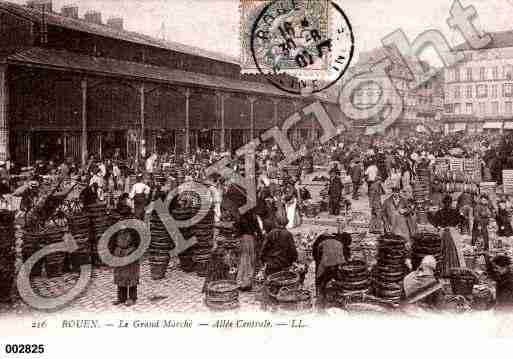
(482, 215)
(355, 171)
(4, 179)
(499, 269)
(395, 212)
(335, 192)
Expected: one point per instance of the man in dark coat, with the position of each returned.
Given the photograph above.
(499, 269)
(335, 192)
(279, 250)
(355, 171)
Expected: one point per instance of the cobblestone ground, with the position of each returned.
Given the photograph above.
(178, 292)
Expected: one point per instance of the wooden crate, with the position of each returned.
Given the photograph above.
(507, 180)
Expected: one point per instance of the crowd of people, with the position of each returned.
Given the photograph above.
(267, 245)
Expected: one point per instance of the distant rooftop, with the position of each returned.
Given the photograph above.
(105, 30)
(500, 39)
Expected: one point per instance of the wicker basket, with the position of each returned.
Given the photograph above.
(470, 261)
(462, 281)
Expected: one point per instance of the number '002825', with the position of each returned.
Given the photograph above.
(24, 348)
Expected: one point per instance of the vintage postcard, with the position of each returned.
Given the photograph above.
(244, 177)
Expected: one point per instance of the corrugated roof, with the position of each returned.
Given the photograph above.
(64, 60)
(500, 39)
(81, 25)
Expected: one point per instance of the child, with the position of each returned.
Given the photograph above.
(503, 220)
(126, 277)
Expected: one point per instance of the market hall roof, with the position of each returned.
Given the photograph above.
(81, 25)
(65, 60)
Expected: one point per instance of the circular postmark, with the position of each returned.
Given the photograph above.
(302, 46)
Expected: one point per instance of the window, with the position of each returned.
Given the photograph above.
(507, 90)
(469, 91)
(495, 91)
(456, 92)
(495, 73)
(469, 74)
(495, 108)
(482, 74)
(482, 108)
(469, 108)
(509, 108)
(508, 72)
(482, 91)
(457, 74)
(457, 108)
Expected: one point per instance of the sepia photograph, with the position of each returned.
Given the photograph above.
(180, 170)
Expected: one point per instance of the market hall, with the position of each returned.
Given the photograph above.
(73, 86)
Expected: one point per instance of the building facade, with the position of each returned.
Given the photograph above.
(479, 90)
(71, 87)
(422, 106)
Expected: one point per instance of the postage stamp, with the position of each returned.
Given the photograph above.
(301, 46)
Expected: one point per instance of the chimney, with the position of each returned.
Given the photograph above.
(70, 11)
(93, 16)
(115, 23)
(41, 5)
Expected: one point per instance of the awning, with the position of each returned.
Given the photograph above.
(508, 125)
(459, 127)
(65, 60)
(492, 126)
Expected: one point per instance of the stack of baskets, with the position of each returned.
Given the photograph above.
(507, 181)
(456, 164)
(353, 279)
(80, 227)
(390, 270)
(222, 295)
(426, 244)
(99, 222)
(489, 188)
(160, 245)
(204, 233)
(55, 261)
(355, 276)
(32, 242)
(293, 171)
(179, 175)
(7, 254)
(186, 257)
(463, 281)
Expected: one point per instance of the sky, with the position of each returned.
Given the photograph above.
(214, 24)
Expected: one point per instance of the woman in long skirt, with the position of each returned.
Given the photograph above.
(448, 219)
(375, 192)
(246, 271)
